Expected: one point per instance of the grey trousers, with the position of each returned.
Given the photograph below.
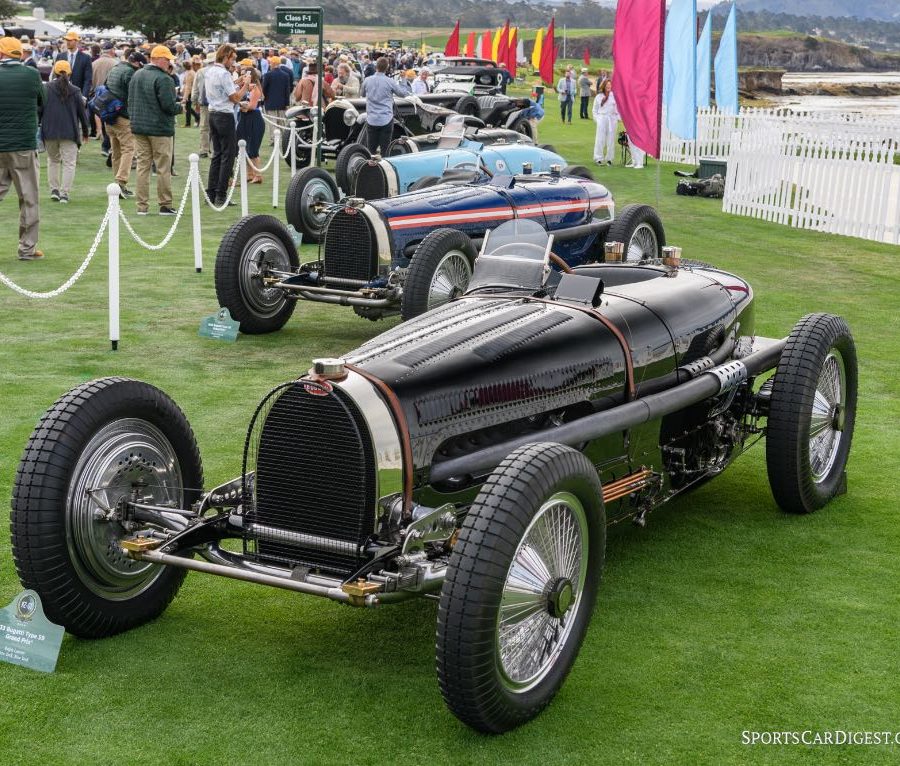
(20, 169)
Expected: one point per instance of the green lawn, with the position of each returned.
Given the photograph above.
(722, 616)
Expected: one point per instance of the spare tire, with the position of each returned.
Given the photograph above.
(548, 148)
(577, 171)
(523, 126)
(467, 105)
(424, 182)
(345, 166)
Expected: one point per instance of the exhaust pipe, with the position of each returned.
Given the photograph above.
(708, 384)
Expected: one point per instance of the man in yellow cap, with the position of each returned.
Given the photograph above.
(80, 62)
(21, 96)
(152, 106)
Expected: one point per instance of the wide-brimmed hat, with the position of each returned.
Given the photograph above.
(162, 52)
(9, 46)
(211, 58)
(62, 67)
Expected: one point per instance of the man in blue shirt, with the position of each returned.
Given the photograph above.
(379, 90)
(566, 89)
(276, 84)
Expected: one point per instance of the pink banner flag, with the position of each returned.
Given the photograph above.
(638, 69)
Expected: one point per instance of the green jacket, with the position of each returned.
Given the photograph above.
(151, 103)
(21, 97)
(117, 81)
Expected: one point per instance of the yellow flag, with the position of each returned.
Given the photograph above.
(536, 53)
(496, 46)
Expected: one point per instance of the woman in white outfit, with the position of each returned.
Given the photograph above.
(607, 118)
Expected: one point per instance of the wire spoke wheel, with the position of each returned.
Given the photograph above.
(542, 592)
(826, 421)
(262, 254)
(643, 244)
(126, 459)
(451, 278)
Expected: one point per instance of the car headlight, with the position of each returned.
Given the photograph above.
(350, 117)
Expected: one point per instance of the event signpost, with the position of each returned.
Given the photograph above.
(306, 21)
(395, 43)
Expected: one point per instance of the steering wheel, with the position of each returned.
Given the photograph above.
(557, 261)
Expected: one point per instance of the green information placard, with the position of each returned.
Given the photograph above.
(27, 637)
(395, 43)
(298, 21)
(219, 326)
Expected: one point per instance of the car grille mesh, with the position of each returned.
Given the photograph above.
(371, 182)
(350, 247)
(315, 475)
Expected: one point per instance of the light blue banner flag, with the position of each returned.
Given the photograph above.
(704, 63)
(680, 89)
(726, 67)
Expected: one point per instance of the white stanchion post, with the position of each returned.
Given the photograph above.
(276, 165)
(314, 155)
(293, 149)
(242, 174)
(194, 180)
(112, 192)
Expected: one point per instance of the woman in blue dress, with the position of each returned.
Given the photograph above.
(251, 126)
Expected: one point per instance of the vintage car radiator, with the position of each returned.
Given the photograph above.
(371, 182)
(350, 251)
(314, 495)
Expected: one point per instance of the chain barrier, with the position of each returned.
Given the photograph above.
(275, 152)
(231, 189)
(165, 240)
(71, 280)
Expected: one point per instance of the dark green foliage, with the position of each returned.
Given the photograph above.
(157, 19)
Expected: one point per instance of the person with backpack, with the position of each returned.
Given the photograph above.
(63, 127)
(121, 140)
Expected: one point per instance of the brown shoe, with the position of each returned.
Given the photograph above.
(35, 256)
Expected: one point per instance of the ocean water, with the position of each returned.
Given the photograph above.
(874, 105)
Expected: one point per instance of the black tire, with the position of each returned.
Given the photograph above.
(478, 687)
(467, 105)
(804, 478)
(60, 550)
(548, 148)
(424, 183)
(637, 219)
(308, 187)
(250, 246)
(303, 154)
(447, 251)
(347, 163)
(398, 147)
(577, 171)
(523, 126)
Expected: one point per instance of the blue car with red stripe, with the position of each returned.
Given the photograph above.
(410, 253)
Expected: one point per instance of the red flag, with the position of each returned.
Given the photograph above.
(638, 69)
(511, 57)
(452, 46)
(503, 49)
(548, 54)
(487, 41)
(586, 58)
(470, 45)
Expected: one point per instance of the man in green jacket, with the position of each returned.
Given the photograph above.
(21, 97)
(121, 141)
(152, 107)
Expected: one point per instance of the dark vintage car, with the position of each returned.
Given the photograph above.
(410, 253)
(475, 454)
(474, 132)
(344, 120)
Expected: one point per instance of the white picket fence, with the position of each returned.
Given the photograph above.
(827, 172)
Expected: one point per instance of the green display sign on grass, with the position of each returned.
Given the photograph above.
(219, 326)
(27, 637)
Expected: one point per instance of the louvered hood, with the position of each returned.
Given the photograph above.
(475, 363)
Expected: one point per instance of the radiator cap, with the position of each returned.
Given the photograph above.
(329, 369)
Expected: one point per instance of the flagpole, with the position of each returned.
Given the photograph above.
(564, 41)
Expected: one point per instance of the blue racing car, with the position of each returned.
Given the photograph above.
(410, 253)
(457, 159)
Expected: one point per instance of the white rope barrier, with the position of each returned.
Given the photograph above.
(225, 204)
(71, 280)
(165, 240)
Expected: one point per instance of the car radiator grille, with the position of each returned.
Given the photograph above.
(315, 478)
(350, 251)
(371, 182)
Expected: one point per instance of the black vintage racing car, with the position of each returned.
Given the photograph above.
(412, 252)
(476, 453)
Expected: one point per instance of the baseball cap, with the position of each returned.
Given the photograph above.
(62, 66)
(71, 35)
(275, 60)
(246, 62)
(108, 46)
(11, 47)
(161, 51)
